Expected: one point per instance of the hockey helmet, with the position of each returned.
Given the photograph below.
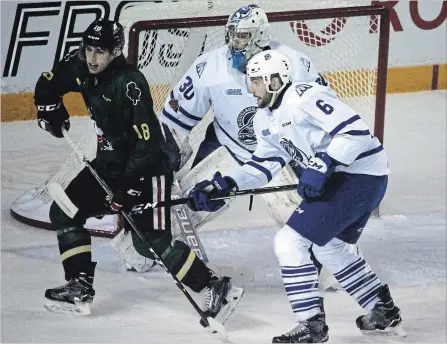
(105, 34)
(267, 65)
(247, 32)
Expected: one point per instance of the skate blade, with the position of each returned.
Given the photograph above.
(396, 331)
(234, 297)
(78, 309)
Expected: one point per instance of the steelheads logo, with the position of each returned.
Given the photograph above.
(299, 158)
(246, 133)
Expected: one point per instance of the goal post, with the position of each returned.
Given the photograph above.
(349, 45)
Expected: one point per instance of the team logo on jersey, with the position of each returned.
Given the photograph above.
(246, 133)
(233, 92)
(173, 103)
(298, 156)
(301, 88)
(104, 144)
(306, 63)
(200, 67)
(70, 55)
(133, 92)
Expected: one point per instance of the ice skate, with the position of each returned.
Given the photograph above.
(384, 319)
(313, 330)
(74, 297)
(221, 298)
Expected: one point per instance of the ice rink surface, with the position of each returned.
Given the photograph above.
(406, 247)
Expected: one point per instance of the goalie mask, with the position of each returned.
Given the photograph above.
(104, 34)
(268, 73)
(247, 32)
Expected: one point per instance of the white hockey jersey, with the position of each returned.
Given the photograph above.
(310, 119)
(211, 81)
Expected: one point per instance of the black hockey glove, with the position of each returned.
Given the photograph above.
(125, 197)
(51, 117)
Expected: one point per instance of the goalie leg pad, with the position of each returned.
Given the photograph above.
(219, 160)
(281, 205)
(122, 243)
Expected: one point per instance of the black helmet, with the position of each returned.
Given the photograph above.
(105, 34)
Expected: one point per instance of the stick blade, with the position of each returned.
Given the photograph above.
(60, 197)
(216, 326)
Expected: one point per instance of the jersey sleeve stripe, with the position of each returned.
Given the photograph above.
(267, 173)
(339, 127)
(188, 115)
(275, 159)
(176, 121)
(370, 152)
(358, 133)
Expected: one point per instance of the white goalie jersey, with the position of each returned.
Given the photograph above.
(310, 119)
(211, 81)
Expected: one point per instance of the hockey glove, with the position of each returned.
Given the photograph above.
(52, 116)
(124, 199)
(200, 196)
(315, 176)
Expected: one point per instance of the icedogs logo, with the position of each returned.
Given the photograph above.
(298, 156)
(246, 133)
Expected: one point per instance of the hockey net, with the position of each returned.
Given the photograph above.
(348, 43)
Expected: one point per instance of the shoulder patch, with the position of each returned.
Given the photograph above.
(71, 54)
(301, 88)
(306, 63)
(173, 103)
(133, 92)
(200, 68)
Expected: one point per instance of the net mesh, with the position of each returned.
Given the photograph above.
(345, 50)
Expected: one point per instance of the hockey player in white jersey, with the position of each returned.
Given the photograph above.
(217, 79)
(344, 177)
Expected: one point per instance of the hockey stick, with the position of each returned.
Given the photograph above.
(73, 210)
(248, 192)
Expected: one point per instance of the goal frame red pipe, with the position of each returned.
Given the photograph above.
(327, 13)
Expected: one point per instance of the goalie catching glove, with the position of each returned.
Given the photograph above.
(201, 194)
(51, 116)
